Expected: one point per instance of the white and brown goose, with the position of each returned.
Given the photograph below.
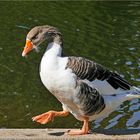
(86, 89)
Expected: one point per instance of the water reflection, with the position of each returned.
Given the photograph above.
(107, 32)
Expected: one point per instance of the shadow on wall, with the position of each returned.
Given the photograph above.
(116, 131)
(104, 131)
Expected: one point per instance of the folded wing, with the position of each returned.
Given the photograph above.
(89, 70)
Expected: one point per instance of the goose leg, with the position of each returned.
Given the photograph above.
(83, 131)
(49, 116)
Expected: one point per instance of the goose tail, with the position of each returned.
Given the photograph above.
(133, 93)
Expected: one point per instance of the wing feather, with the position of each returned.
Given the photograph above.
(90, 101)
(86, 69)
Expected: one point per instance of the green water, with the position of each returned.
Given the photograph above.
(106, 32)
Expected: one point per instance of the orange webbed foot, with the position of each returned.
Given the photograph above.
(77, 132)
(83, 131)
(44, 118)
(49, 116)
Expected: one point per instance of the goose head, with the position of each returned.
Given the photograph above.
(39, 34)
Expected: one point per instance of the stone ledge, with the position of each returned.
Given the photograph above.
(59, 134)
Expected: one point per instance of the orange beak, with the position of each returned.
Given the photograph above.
(28, 47)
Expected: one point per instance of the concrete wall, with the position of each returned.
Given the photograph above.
(60, 134)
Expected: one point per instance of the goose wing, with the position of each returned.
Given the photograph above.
(90, 70)
(90, 102)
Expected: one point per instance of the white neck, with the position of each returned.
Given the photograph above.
(50, 58)
(54, 49)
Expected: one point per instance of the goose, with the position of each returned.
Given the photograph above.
(85, 88)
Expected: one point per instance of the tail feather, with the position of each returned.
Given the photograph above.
(116, 81)
(134, 92)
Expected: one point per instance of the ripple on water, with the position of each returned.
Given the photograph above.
(137, 79)
(132, 49)
(129, 63)
(135, 117)
(134, 107)
(77, 29)
(97, 123)
(65, 21)
(114, 121)
(22, 26)
(6, 67)
(134, 101)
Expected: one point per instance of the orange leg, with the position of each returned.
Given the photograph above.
(83, 131)
(49, 116)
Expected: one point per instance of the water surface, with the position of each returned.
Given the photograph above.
(106, 32)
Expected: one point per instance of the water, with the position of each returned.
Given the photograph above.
(107, 32)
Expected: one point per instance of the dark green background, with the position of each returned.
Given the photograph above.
(106, 32)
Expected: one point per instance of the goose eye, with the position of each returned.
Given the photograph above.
(35, 37)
